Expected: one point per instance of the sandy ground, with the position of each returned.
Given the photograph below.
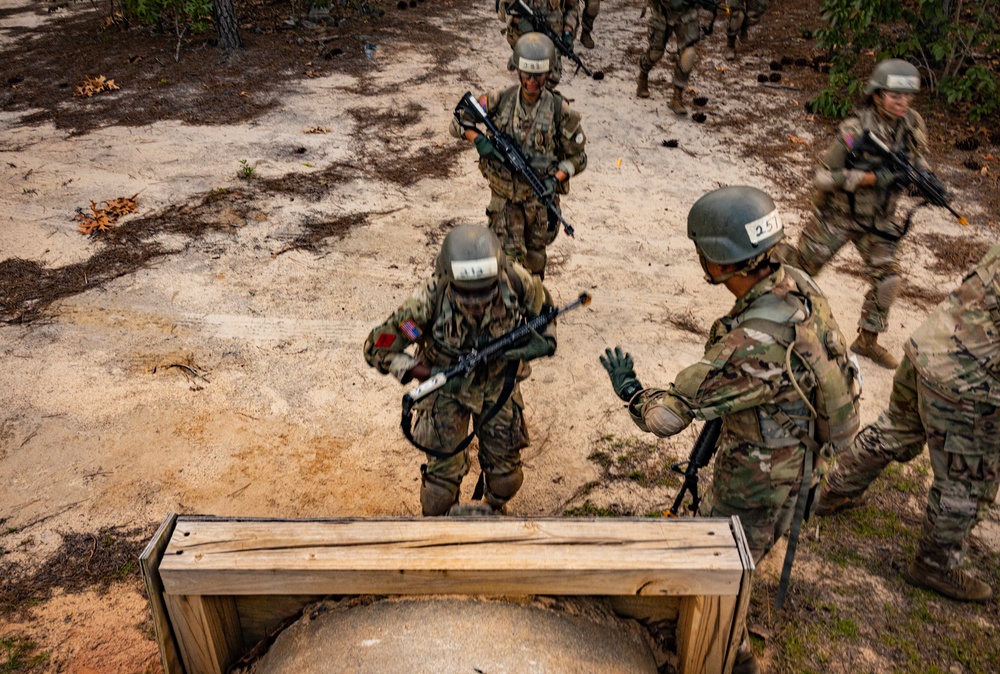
(286, 419)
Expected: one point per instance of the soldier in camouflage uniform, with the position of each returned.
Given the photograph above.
(591, 8)
(742, 15)
(946, 393)
(680, 19)
(562, 16)
(476, 295)
(857, 204)
(551, 139)
(743, 377)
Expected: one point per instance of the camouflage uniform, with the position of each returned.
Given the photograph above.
(946, 392)
(442, 335)
(742, 378)
(678, 18)
(742, 14)
(551, 138)
(861, 215)
(562, 16)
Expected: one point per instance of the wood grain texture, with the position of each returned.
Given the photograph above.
(149, 562)
(703, 633)
(208, 632)
(743, 598)
(466, 556)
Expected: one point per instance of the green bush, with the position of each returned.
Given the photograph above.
(196, 15)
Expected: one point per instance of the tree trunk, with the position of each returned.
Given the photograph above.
(226, 25)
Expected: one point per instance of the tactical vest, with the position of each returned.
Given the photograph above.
(535, 135)
(833, 377)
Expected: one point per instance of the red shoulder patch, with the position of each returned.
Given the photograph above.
(385, 340)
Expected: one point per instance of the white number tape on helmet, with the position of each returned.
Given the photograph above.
(474, 270)
(532, 66)
(908, 82)
(762, 228)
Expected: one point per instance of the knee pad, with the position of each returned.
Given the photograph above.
(886, 290)
(650, 59)
(501, 488)
(437, 496)
(685, 62)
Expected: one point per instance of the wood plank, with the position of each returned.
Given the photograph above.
(208, 630)
(432, 556)
(149, 562)
(743, 598)
(703, 632)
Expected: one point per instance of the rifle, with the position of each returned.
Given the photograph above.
(477, 356)
(702, 452)
(933, 195)
(520, 10)
(510, 156)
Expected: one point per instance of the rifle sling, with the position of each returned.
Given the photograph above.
(510, 378)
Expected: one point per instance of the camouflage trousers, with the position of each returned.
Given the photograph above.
(591, 8)
(442, 422)
(963, 438)
(826, 234)
(760, 485)
(523, 229)
(686, 29)
(744, 13)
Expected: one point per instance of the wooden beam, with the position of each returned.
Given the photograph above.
(208, 629)
(743, 598)
(568, 556)
(703, 632)
(149, 562)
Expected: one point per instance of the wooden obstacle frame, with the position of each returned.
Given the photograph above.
(219, 585)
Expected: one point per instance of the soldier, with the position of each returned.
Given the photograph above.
(591, 8)
(551, 139)
(562, 17)
(856, 198)
(742, 15)
(666, 17)
(774, 368)
(476, 295)
(946, 393)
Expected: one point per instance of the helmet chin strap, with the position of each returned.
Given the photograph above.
(748, 267)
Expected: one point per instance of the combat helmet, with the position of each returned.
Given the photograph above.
(735, 224)
(894, 75)
(471, 259)
(534, 53)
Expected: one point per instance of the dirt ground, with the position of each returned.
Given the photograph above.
(204, 354)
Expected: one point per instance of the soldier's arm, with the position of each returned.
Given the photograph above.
(535, 298)
(571, 16)
(832, 174)
(734, 375)
(572, 145)
(488, 101)
(919, 127)
(386, 344)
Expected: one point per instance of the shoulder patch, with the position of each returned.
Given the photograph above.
(385, 340)
(410, 329)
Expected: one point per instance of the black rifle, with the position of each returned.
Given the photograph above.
(519, 9)
(909, 174)
(703, 451)
(467, 363)
(510, 156)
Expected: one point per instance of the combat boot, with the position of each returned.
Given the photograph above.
(867, 345)
(831, 503)
(586, 40)
(642, 91)
(746, 662)
(730, 54)
(676, 103)
(953, 583)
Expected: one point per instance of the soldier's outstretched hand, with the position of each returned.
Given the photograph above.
(619, 365)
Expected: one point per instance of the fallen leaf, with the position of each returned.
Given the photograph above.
(797, 140)
(316, 129)
(102, 219)
(94, 85)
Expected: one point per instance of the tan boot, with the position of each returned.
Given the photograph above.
(642, 90)
(867, 345)
(831, 502)
(746, 662)
(953, 583)
(586, 40)
(676, 104)
(730, 54)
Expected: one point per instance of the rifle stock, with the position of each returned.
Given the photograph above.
(511, 157)
(701, 454)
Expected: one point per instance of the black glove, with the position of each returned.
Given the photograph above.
(936, 184)
(484, 147)
(567, 39)
(886, 179)
(537, 346)
(619, 366)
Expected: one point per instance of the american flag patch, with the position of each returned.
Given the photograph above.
(410, 329)
(849, 141)
(385, 340)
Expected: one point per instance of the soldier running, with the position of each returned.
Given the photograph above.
(680, 19)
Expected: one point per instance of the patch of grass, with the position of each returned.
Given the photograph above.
(18, 654)
(588, 509)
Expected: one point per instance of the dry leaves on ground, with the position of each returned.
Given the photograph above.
(103, 218)
(316, 129)
(95, 85)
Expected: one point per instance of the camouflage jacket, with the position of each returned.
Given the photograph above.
(562, 15)
(957, 349)
(835, 183)
(431, 322)
(549, 133)
(742, 373)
